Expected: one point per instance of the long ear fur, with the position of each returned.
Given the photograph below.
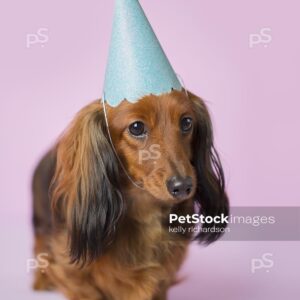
(86, 185)
(210, 196)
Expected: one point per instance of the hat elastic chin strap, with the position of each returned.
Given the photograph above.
(138, 185)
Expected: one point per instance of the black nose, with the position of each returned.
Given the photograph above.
(179, 187)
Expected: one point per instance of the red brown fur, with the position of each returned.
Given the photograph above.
(105, 237)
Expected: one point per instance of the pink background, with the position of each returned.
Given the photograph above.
(253, 94)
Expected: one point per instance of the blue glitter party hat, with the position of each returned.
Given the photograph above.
(137, 65)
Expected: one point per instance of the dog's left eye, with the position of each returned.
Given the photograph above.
(186, 124)
(137, 129)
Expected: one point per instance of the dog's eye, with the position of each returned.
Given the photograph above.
(186, 124)
(137, 129)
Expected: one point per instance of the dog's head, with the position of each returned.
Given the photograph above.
(164, 144)
(153, 138)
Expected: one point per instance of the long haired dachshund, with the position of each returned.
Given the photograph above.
(101, 208)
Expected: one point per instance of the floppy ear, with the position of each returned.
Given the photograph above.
(86, 185)
(210, 195)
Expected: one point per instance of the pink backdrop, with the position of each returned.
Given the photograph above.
(241, 56)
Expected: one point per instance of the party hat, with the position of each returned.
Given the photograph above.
(137, 65)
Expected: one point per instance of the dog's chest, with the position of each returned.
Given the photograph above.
(146, 257)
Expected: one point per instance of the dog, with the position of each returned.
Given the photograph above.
(100, 209)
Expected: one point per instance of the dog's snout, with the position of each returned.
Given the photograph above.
(180, 187)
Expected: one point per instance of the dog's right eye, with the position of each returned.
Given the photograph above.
(137, 129)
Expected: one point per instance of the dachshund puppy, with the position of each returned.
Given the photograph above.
(101, 206)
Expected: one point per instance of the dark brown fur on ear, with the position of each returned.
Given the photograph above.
(86, 185)
(210, 196)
